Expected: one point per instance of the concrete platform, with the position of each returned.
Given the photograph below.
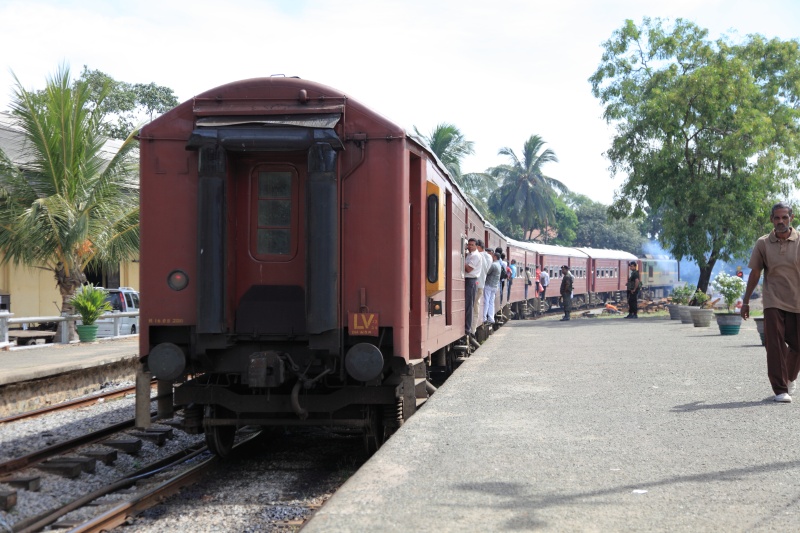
(40, 361)
(589, 425)
(33, 377)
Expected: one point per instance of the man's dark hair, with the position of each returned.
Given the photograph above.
(479, 243)
(472, 239)
(781, 205)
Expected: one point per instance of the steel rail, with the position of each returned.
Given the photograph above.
(31, 459)
(78, 402)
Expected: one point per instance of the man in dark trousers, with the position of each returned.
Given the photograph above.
(566, 291)
(634, 284)
(777, 254)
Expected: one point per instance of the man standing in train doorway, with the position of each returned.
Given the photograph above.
(544, 281)
(634, 284)
(777, 254)
(566, 291)
(473, 264)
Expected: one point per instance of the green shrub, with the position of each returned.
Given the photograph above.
(90, 302)
(681, 295)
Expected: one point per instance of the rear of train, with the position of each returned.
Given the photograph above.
(275, 229)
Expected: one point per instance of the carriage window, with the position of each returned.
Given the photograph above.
(432, 262)
(274, 195)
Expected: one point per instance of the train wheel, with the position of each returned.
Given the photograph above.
(219, 439)
(374, 430)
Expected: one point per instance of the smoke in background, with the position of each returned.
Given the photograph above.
(690, 272)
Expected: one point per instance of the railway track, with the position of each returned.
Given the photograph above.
(74, 404)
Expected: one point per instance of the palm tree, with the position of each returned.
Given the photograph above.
(66, 201)
(450, 146)
(526, 195)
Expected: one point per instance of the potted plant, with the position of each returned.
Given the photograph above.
(90, 303)
(680, 298)
(701, 317)
(731, 288)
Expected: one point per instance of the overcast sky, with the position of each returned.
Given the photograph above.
(500, 70)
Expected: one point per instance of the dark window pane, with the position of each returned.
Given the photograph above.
(274, 213)
(274, 241)
(274, 184)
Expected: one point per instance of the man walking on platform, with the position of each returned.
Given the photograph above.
(633, 291)
(566, 291)
(777, 254)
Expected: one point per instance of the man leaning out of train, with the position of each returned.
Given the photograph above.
(473, 264)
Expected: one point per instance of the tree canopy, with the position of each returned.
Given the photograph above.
(596, 229)
(125, 106)
(706, 132)
(449, 145)
(525, 194)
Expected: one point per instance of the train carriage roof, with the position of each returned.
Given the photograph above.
(548, 249)
(601, 253)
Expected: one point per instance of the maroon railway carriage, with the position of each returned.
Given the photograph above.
(550, 258)
(610, 273)
(302, 259)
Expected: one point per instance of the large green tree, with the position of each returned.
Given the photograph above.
(706, 132)
(125, 106)
(596, 229)
(525, 194)
(71, 198)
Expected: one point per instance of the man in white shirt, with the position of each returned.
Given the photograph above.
(544, 281)
(473, 266)
(479, 305)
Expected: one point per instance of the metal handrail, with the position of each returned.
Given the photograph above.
(6, 320)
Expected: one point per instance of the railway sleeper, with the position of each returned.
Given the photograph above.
(68, 470)
(8, 499)
(29, 483)
(126, 445)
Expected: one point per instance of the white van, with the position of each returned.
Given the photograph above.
(122, 300)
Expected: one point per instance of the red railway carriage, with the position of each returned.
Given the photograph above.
(610, 271)
(302, 258)
(550, 258)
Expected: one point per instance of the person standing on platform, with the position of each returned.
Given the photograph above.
(777, 254)
(633, 291)
(473, 264)
(566, 291)
(490, 291)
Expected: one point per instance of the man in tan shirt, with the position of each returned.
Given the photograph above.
(778, 256)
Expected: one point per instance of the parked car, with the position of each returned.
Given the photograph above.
(122, 300)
